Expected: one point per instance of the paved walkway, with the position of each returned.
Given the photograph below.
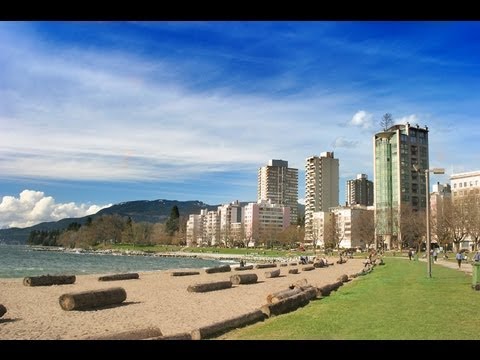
(466, 267)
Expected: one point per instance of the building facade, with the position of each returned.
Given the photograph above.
(359, 191)
(279, 184)
(463, 184)
(396, 182)
(264, 221)
(321, 187)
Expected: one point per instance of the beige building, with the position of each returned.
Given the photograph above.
(321, 187)
(359, 191)
(279, 184)
(465, 183)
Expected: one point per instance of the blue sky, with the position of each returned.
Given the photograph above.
(97, 113)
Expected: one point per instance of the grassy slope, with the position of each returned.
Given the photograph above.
(395, 301)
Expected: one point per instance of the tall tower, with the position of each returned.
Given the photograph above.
(360, 191)
(321, 187)
(396, 182)
(279, 184)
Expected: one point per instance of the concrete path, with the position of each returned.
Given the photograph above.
(466, 267)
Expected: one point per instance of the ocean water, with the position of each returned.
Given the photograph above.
(20, 261)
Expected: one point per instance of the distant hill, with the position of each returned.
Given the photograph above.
(140, 210)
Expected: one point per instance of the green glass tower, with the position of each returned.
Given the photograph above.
(396, 183)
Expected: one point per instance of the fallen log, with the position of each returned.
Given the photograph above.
(139, 334)
(286, 305)
(327, 289)
(119, 277)
(47, 280)
(217, 269)
(3, 310)
(308, 268)
(92, 299)
(244, 279)
(280, 295)
(353, 276)
(265, 266)
(293, 264)
(299, 283)
(272, 274)
(343, 278)
(221, 327)
(283, 264)
(241, 268)
(312, 293)
(178, 336)
(212, 286)
(293, 271)
(184, 273)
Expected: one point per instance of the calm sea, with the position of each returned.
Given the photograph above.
(21, 261)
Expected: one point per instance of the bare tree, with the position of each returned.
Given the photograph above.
(456, 220)
(387, 121)
(472, 203)
(412, 227)
(331, 233)
(440, 224)
(366, 227)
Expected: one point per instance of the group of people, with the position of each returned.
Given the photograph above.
(459, 257)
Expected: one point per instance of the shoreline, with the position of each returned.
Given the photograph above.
(156, 299)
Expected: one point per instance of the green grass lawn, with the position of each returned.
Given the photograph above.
(395, 301)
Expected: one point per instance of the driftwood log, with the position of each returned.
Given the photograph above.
(280, 295)
(3, 310)
(211, 286)
(308, 268)
(226, 325)
(177, 336)
(293, 264)
(115, 277)
(47, 280)
(241, 268)
(343, 278)
(139, 334)
(265, 266)
(293, 271)
(272, 274)
(283, 264)
(327, 289)
(218, 269)
(298, 283)
(286, 305)
(184, 273)
(243, 279)
(92, 299)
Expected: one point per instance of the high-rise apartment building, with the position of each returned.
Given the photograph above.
(359, 191)
(396, 182)
(321, 187)
(279, 184)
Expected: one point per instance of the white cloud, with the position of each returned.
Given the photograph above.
(33, 207)
(362, 119)
(301, 201)
(342, 142)
(412, 119)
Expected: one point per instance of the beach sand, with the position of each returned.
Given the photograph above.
(157, 299)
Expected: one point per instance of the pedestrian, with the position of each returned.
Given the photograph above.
(242, 264)
(476, 257)
(435, 254)
(409, 254)
(459, 259)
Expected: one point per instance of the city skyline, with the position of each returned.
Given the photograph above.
(93, 114)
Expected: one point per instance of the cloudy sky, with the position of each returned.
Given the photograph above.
(93, 114)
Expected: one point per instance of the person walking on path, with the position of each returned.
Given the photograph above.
(476, 257)
(459, 259)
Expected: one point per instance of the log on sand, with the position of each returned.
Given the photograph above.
(308, 268)
(299, 283)
(115, 277)
(177, 336)
(184, 273)
(3, 310)
(226, 325)
(293, 264)
(280, 295)
(286, 305)
(244, 279)
(212, 286)
(293, 271)
(47, 280)
(265, 266)
(272, 274)
(327, 289)
(138, 334)
(283, 264)
(241, 268)
(92, 299)
(343, 278)
(217, 269)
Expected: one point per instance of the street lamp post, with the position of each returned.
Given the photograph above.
(427, 184)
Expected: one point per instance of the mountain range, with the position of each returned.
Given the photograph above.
(152, 211)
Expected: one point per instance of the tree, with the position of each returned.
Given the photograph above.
(412, 227)
(457, 221)
(473, 218)
(331, 234)
(366, 227)
(172, 224)
(387, 121)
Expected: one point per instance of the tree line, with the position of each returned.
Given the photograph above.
(114, 229)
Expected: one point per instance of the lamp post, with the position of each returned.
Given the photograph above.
(427, 184)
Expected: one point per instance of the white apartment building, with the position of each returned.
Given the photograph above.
(195, 229)
(264, 220)
(228, 214)
(211, 228)
(321, 187)
(279, 184)
(465, 184)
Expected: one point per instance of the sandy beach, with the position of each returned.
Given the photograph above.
(157, 299)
